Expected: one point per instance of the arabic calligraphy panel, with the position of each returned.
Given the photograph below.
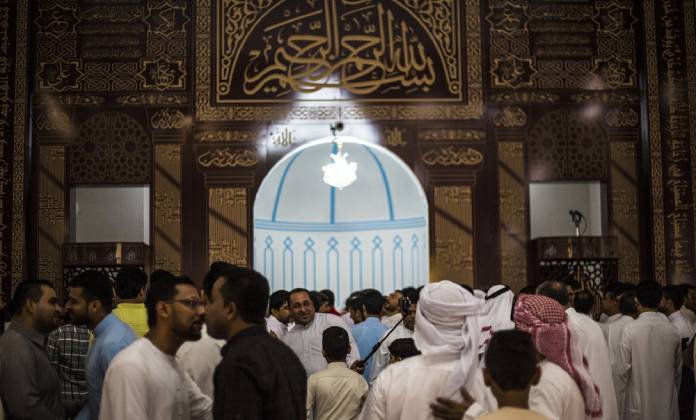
(284, 51)
(282, 60)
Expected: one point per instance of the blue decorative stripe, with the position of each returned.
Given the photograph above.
(281, 184)
(341, 226)
(387, 190)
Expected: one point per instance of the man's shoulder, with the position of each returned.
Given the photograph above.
(10, 340)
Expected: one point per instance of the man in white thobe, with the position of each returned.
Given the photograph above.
(392, 309)
(595, 349)
(671, 304)
(565, 390)
(145, 381)
(381, 356)
(592, 342)
(447, 334)
(305, 338)
(689, 303)
(614, 327)
(496, 313)
(648, 367)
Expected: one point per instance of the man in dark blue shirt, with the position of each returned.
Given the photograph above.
(259, 377)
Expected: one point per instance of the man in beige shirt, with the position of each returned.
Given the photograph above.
(335, 393)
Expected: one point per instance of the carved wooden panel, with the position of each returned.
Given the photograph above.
(454, 233)
(401, 52)
(51, 214)
(112, 47)
(111, 148)
(624, 207)
(566, 144)
(167, 208)
(512, 192)
(228, 225)
(547, 44)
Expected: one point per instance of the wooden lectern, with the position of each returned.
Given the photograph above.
(591, 260)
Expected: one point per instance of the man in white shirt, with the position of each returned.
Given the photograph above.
(279, 313)
(592, 341)
(404, 330)
(447, 333)
(199, 358)
(336, 392)
(305, 338)
(648, 370)
(392, 309)
(144, 381)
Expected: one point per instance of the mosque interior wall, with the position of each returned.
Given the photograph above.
(199, 99)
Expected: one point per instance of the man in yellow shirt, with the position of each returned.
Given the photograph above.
(130, 289)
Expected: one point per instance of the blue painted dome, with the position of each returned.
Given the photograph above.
(385, 191)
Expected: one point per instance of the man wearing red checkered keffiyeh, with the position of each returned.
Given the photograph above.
(547, 322)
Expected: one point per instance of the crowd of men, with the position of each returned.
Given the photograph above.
(161, 349)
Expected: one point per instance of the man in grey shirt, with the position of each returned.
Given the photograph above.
(29, 385)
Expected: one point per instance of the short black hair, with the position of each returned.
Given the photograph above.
(27, 290)
(527, 290)
(216, 268)
(675, 294)
(356, 303)
(627, 303)
(162, 290)
(511, 359)
(299, 290)
(317, 299)
(158, 275)
(97, 286)
(411, 293)
(556, 290)
(330, 296)
(130, 281)
(583, 302)
(403, 348)
(277, 299)
(249, 291)
(649, 294)
(611, 291)
(373, 304)
(335, 343)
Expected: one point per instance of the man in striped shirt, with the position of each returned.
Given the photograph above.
(67, 350)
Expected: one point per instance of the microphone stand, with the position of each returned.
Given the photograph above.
(378, 345)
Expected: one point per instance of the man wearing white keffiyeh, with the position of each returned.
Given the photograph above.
(447, 333)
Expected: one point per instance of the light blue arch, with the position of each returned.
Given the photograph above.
(309, 253)
(288, 256)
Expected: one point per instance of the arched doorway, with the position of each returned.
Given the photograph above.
(371, 234)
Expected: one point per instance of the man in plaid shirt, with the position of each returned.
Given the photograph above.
(67, 350)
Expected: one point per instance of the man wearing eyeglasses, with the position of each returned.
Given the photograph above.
(145, 381)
